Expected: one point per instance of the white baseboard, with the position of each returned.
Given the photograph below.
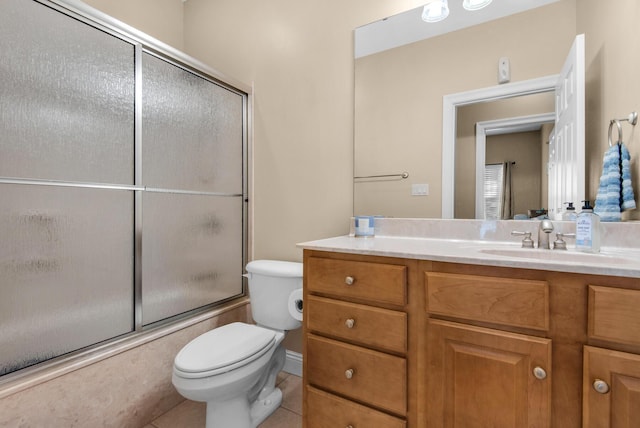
(293, 363)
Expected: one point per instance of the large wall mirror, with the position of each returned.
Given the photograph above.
(399, 93)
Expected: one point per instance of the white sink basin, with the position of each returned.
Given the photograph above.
(562, 256)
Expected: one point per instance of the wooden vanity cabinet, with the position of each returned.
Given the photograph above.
(611, 384)
(392, 342)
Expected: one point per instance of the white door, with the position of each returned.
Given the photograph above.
(566, 147)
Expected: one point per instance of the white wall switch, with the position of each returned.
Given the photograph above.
(419, 189)
(504, 70)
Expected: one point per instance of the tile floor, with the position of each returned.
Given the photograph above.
(191, 414)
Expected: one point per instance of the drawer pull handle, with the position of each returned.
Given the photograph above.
(348, 373)
(350, 323)
(349, 280)
(539, 373)
(600, 386)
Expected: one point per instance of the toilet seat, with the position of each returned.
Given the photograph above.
(223, 349)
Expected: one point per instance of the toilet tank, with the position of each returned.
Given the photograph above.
(270, 284)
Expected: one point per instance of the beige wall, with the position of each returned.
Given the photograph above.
(399, 98)
(524, 149)
(613, 88)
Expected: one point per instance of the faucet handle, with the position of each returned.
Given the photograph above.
(527, 242)
(559, 243)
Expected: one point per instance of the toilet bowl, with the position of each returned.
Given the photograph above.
(233, 368)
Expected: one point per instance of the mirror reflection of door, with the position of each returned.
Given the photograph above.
(526, 145)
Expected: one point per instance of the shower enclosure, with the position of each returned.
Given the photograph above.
(122, 179)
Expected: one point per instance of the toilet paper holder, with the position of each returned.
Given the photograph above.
(296, 304)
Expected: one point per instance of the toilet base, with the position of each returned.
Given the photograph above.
(238, 413)
(262, 409)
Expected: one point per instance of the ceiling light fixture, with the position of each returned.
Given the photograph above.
(475, 4)
(436, 10)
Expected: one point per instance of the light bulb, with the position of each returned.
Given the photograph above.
(475, 4)
(435, 11)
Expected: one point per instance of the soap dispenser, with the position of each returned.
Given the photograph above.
(570, 213)
(588, 230)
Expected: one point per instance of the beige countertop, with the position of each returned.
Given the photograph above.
(612, 260)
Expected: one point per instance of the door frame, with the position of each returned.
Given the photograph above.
(498, 127)
(451, 102)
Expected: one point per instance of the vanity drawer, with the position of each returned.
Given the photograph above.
(330, 411)
(614, 314)
(366, 325)
(374, 282)
(506, 301)
(368, 376)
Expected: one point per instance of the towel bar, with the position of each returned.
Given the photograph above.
(403, 176)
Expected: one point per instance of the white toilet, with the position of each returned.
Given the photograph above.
(233, 368)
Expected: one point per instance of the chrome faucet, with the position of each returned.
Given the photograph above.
(545, 229)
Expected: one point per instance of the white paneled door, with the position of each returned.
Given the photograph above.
(566, 144)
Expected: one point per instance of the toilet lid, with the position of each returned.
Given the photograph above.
(223, 347)
(275, 268)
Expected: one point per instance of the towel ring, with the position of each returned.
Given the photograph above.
(632, 119)
(617, 122)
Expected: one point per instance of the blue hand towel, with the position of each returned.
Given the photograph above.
(615, 193)
(628, 198)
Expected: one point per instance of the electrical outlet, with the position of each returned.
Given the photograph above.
(419, 189)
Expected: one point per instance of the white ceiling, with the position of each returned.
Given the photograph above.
(408, 27)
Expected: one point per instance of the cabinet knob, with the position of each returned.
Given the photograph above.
(600, 386)
(349, 280)
(349, 426)
(348, 373)
(539, 373)
(350, 323)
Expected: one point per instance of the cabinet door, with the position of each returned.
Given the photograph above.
(611, 389)
(479, 377)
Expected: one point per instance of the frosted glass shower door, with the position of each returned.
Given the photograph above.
(66, 98)
(66, 160)
(192, 210)
(66, 268)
